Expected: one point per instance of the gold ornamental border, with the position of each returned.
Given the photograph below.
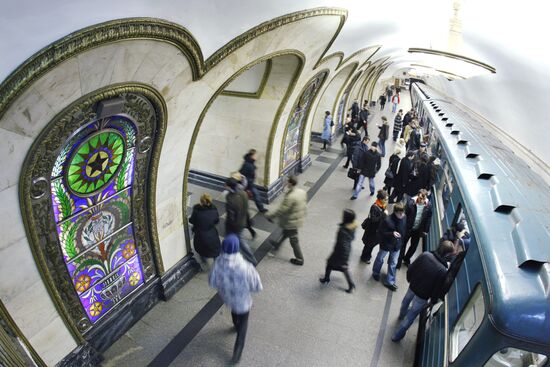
(306, 117)
(25, 198)
(257, 94)
(142, 28)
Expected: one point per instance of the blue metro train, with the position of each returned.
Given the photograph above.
(497, 311)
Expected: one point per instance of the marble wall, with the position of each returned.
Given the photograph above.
(233, 125)
(165, 68)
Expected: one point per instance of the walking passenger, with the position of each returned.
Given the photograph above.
(389, 92)
(339, 258)
(425, 276)
(363, 119)
(391, 231)
(236, 207)
(354, 110)
(357, 157)
(248, 170)
(235, 279)
(383, 135)
(242, 184)
(206, 239)
(377, 214)
(327, 129)
(395, 100)
(369, 165)
(291, 214)
(419, 219)
(397, 124)
(382, 100)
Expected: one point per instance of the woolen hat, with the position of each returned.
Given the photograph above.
(230, 244)
(374, 144)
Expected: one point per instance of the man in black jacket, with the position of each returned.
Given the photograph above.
(236, 207)
(363, 119)
(369, 166)
(391, 232)
(401, 180)
(425, 276)
(248, 170)
(419, 217)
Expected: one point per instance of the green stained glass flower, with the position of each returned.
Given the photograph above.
(95, 162)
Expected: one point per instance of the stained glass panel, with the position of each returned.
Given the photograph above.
(294, 133)
(92, 203)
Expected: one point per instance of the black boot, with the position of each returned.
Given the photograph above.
(324, 280)
(351, 288)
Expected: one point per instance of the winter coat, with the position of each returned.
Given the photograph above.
(357, 157)
(371, 224)
(414, 140)
(352, 141)
(393, 165)
(248, 169)
(426, 218)
(388, 242)
(403, 174)
(426, 275)
(293, 209)
(370, 164)
(235, 278)
(382, 99)
(396, 98)
(236, 207)
(206, 240)
(342, 248)
(383, 134)
(407, 118)
(354, 109)
(327, 128)
(363, 116)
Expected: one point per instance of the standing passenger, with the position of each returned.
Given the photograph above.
(234, 280)
(397, 124)
(391, 231)
(363, 118)
(355, 110)
(291, 214)
(370, 165)
(425, 276)
(392, 168)
(339, 258)
(383, 135)
(327, 129)
(419, 219)
(382, 100)
(357, 157)
(401, 181)
(377, 214)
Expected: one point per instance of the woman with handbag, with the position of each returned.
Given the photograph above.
(377, 214)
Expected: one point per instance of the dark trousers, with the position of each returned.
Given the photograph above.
(397, 194)
(347, 162)
(246, 251)
(241, 324)
(292, 235)
(325, 142)
(343, 269)
(368, 246)
(415, 237)
(395, 134)
(256, 198)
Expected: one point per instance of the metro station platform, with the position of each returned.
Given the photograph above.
(295, 321)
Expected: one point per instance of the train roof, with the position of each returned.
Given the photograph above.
(509, 209)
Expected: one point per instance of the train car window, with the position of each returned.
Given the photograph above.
(512, 357)
(468, 323)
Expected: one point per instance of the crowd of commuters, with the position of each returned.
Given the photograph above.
(408, 180)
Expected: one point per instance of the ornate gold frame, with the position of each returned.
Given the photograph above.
(257, 94)
(36, 165)
(306, 117)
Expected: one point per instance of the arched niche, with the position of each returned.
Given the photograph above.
(235, 121)
(292, 144)
(87, 197)
(345, 101)
(329, 99)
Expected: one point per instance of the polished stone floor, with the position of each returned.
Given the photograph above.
(295, 321)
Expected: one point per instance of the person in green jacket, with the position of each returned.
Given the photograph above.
(290, 215)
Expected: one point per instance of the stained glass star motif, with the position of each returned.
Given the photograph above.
(95, 162)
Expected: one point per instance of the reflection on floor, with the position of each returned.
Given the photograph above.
(295, 321)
